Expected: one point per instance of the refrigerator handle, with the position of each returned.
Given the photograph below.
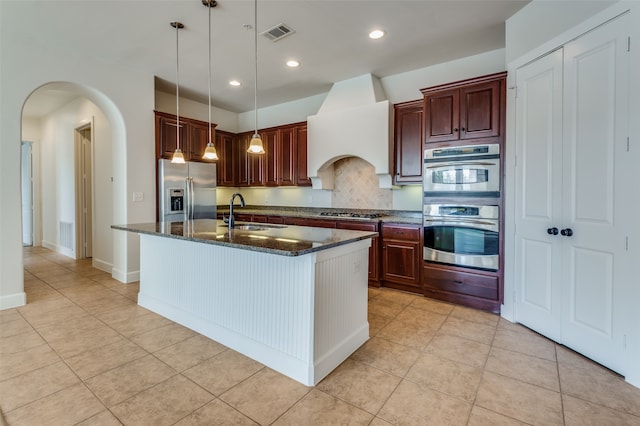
(187, 199)
(192, 199)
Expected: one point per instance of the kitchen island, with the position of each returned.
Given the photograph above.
(291, 297)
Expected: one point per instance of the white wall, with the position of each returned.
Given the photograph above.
(540, 21)
(521, 50)
(406, 86)
(125, 96)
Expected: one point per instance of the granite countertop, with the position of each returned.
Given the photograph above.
(285, 240)
(390, 216)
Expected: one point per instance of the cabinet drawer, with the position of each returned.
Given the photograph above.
(358, 226)
(437, 279)
(400, 232)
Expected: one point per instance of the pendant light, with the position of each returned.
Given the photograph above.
(210, 151)
(178, 157)
(255, 146)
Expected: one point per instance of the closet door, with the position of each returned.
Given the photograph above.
(571, 150)
(538, 198)
(596, 99)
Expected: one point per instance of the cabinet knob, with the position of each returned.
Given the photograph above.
(463, 129)
(552, 231)
(455, 130)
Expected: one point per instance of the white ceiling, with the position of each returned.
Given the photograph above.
(330, 41)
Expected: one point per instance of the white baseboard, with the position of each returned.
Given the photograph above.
(125, 277)
(13, 300)
(102, 265)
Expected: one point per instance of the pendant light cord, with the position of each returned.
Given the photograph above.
(255, 46)
(210, 141)
(177, 89)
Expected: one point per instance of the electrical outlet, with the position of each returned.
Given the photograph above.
(138, 196)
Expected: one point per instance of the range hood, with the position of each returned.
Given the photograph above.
(353, 121)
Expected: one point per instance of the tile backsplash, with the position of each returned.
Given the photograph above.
(357, 187)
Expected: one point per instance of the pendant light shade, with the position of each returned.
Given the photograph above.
(210, 151)
(177, 157)
(255, 146)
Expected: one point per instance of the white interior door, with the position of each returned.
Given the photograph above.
(27, 194)
(596, 100)
(538, 199)
(571, 143)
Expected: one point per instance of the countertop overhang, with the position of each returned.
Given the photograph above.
(284, 240)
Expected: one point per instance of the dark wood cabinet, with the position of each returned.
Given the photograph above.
(283, 164)
(194, 135)
(225, 146)
(301, 175)
(464, 110)
(286, 154)
(374, 250)
(166, 142)
(407, 147)
(241, 160)
(401, 258)
(305, 221)
(474, 288)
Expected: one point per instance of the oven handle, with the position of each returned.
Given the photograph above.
(438, 166)
(490, 226)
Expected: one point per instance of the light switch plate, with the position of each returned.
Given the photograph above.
(138, 196)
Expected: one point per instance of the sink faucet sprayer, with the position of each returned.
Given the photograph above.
(231, 218)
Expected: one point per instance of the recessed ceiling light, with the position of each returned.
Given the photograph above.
(376, 34)
(234, 83)
(292, 63)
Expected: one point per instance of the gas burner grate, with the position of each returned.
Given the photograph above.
(353, 215)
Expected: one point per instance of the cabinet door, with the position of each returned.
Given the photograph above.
(409, 120)
(256, 169)
(241, 159)
(301, 174)
(198, 139)
(480, 110)
(271, 157)
(166, 137)
(226, 163)
(401, 255)
(287, 156)
(442, 115)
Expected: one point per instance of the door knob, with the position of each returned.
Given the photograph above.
(552, 231)
(567, 232)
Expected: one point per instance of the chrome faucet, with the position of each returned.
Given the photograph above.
(231, 218)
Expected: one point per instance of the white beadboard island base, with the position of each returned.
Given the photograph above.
(299, 315)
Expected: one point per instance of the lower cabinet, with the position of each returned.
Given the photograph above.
(477, 289)
(401, 257)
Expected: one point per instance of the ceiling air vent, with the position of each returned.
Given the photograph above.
(278, 32)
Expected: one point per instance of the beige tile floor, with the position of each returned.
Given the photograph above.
(82, 352)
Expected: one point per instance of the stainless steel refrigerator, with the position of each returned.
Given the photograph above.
(186, 191)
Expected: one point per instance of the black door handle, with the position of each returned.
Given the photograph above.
(552, 231)
(567, 232)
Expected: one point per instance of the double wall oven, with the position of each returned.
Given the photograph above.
(458, 232)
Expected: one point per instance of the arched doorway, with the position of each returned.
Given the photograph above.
(73, 130)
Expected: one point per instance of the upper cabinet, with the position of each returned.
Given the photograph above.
(194, 135)
(464, 110)
(409, 127)
(283, 164)
(225, 147)
(301, 173)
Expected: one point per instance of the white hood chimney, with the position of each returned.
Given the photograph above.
(353, 121)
